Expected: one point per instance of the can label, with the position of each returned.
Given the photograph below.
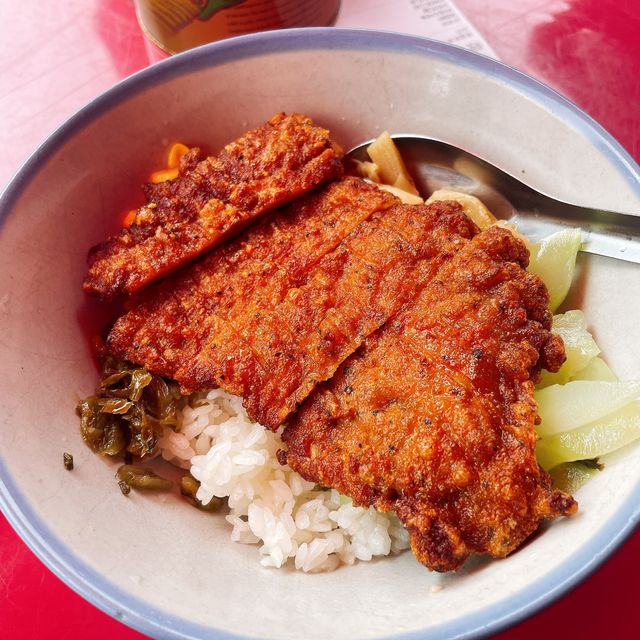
(176, 25)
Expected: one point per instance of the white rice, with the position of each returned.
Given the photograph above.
(269, 504)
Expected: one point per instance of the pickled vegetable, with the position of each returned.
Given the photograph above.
(402, 195)
(554, 260)
(570, 476)
(67, 460)
(128, 411)
(603, 435)
(579, 346)
(189, 488)
(391, 168)
(102, 431)
(142, 478)
(368, 170)
(597, 369)
(124, 487)
(566, 407)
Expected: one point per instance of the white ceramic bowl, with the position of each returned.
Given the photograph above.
(170, 570)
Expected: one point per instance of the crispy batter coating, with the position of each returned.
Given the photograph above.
(434, 416)
(168, 324)
(212, 199)
(274, 359)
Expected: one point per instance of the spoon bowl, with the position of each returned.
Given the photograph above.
(435, 164)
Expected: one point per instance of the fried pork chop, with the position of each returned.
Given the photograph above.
(274, 359)
(167, 325)
(212, 199)
(433, 417)
(274, 313)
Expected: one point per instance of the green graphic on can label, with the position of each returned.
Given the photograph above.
(173, 15)
(211, 7)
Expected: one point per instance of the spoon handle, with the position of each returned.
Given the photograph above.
(605, 233)
(435, 164)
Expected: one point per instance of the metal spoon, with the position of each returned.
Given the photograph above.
(438, 165)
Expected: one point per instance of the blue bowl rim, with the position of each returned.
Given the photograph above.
(153, 621)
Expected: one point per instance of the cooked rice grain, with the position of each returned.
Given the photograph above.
(269, 504)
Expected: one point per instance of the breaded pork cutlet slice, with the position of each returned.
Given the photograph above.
(211, 199)
(168, 323)
(434, 416)
(274, 358)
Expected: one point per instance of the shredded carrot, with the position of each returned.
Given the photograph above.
(163, 175)
(175, 153)
(129, 218)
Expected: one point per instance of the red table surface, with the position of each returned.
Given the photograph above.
(55, 56)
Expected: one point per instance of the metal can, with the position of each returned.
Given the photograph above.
(176, 25)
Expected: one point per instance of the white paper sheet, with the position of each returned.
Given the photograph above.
(437, 19)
